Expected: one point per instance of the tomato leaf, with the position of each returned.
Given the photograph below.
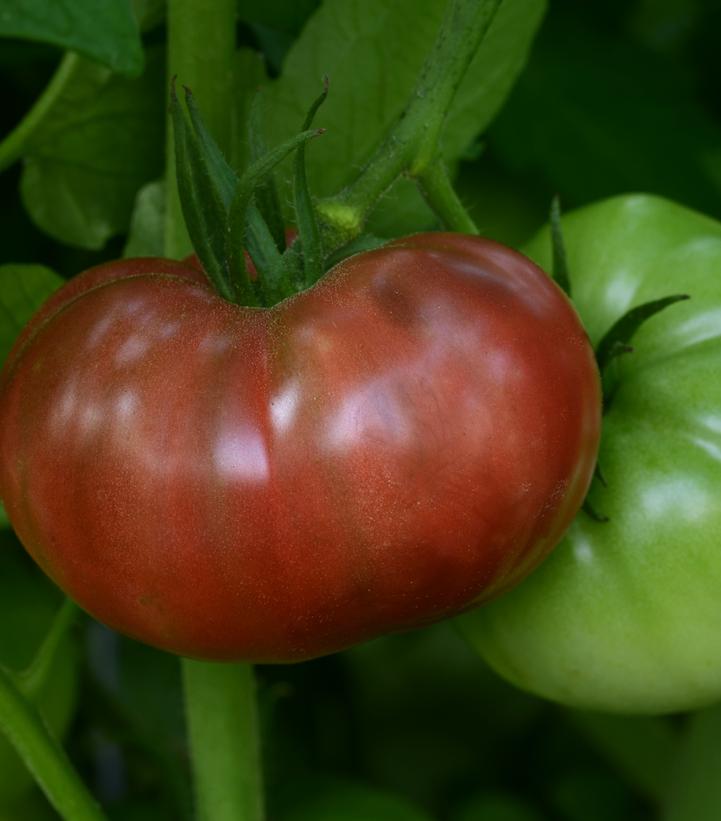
(23, 289)
(149, 13)
(98, 144)
(588, 126)
(282, 15)
(110, 35)
(146, 237)
(368, 44)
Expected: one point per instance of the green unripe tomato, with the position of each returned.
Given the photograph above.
(625, 616)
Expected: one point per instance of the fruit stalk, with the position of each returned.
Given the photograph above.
(412, 146)
(43, 755)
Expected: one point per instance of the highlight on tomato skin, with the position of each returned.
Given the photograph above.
(408, 438)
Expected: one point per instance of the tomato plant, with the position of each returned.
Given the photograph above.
(26, 610)
(625, 616)
(408, 437)
(463, 116)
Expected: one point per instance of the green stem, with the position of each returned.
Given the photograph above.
(438, 192)
(44, 756)
(201, 47)
(412, 145)
(219, 698)
(31, 681)
(222, 719)
(12, 147)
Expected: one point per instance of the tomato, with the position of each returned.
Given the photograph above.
(626, 615)
(410, 436)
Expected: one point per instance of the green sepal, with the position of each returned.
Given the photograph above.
(254, 176)
(306, 218)
(616, 340)
(201, 198)
(261, 245)
(293, 266)
(587, 507)
(591, 511)
(266, 195)
(221, 213)
(560, 262)
(268, 260)
(223, 175)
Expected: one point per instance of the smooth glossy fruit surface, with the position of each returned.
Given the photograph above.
(409, 437)
(626, 615)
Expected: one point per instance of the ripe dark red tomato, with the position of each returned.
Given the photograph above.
(406, 439)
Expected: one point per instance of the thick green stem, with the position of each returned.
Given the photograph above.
(201, 45)
(412, 146)
(438, 192)
(44, 756)
(12, 147)
(222, 720)
(220, 698)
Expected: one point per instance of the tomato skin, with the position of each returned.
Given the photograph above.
(407, 438)
(626, 616)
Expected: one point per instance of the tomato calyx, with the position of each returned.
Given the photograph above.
(615, 342)
(224, 217)
(587, 507)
